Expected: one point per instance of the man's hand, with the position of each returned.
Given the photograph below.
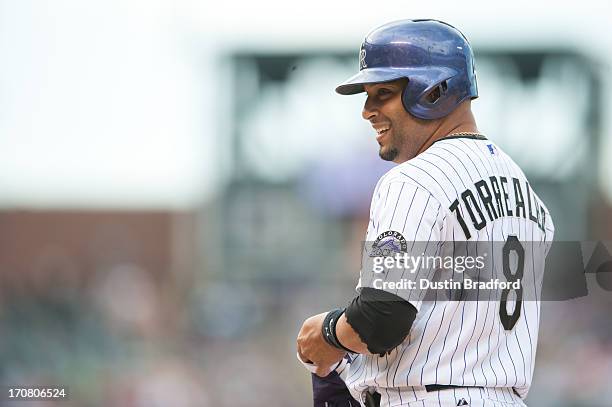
(311, 346)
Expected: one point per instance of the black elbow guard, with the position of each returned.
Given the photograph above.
(381, 319)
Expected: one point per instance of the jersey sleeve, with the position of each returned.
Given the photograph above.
(406, 227)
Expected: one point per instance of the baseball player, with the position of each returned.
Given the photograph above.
(405, 339)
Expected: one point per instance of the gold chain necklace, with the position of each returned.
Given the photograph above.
(466, 133)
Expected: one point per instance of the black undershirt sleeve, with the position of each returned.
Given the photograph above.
(381, 319)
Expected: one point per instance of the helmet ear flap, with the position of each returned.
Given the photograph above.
(437, 92)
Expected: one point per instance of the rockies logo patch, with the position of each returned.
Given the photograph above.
(362, 61)
(388, 243)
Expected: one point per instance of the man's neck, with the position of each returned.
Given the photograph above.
(460, 121)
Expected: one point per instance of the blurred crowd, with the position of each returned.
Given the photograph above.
(116, 332)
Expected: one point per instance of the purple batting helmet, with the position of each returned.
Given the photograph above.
(434, 56)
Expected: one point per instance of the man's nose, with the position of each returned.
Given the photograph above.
(370, 110)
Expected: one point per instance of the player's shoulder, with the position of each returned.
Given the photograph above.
(407, 179)
(400, 174)
(442, 170)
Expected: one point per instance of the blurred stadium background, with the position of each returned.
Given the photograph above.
(180, 187)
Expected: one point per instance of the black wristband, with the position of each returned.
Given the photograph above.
(329, 329)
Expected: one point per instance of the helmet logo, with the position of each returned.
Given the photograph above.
(362, 56)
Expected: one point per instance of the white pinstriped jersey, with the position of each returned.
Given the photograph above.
(461, 188)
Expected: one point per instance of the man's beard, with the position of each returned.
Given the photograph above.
(388, 154)
(391, 150)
